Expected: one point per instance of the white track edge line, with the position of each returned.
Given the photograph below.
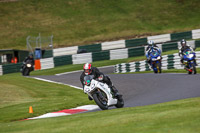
(46, 80)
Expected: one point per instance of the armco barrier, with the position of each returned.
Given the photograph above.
(118, 54)
(98, 56)
(82, 58)
(168, 62)
(47, 54)
(194, 34)
(181, 35)
(65, 51)
(91, 48)
(62, 60)
(139, 51)
(160, 38)
(169, 46)
(11, 68)
(113, 45)
(47, 63)
(136, 42)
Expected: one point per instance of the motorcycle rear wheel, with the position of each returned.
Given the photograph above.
(99, 102)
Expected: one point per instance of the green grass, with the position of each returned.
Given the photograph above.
(181, 116)
(81, 22)
(17, 93)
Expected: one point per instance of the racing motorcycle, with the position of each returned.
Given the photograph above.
(27, 67)
(101, 93)
(155, 60)
(189, 61)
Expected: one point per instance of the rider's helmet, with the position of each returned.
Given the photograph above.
(87, 69)
(183, 43)
(150, 43)
(30, 55)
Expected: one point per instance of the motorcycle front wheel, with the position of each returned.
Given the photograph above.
(99, 101)
(194, 69)
(155, 70)
(120, 103)
(26, 72)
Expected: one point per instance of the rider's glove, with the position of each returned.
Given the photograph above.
(100, 78)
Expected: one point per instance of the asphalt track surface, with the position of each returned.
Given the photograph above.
(143, 89)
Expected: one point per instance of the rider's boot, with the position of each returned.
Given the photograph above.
(115, 92)
(90, 98)
(195, 62)
(181, 62)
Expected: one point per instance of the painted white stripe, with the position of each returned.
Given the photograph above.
(57, 114)
(47, 63)
(46, 80)
(65, 51)
(160, 38)
(50, 115)
(88, 107)
(196, 34)
(118, 54)
(113, 45)
(82, 58)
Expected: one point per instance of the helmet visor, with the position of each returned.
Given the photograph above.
(87, 71)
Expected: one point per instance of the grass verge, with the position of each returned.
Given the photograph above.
(181, 116)
(17, 93)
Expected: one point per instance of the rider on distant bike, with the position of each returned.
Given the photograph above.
(29, 59)
(184, 46)
(148, 50)
(89, 70)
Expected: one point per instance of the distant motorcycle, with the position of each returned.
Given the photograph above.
(189, 61)
(27, 67)
(101, 93)
(155, 60)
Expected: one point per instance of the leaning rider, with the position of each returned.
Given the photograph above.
(149, 49)
(184, 46)
(30, 59)
(89, 70)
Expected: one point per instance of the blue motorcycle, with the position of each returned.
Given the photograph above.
(189, 61)
(155, 60)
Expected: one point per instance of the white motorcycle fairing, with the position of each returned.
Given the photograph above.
(102, 86)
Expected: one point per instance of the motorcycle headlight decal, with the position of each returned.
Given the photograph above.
(87, 89)
(28, 65)
(153, 59)
(190, 55)
(158, 58)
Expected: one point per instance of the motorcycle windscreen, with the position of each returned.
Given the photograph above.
(154, 54)
(88, 78)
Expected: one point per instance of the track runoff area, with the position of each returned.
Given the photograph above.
(137, 89)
